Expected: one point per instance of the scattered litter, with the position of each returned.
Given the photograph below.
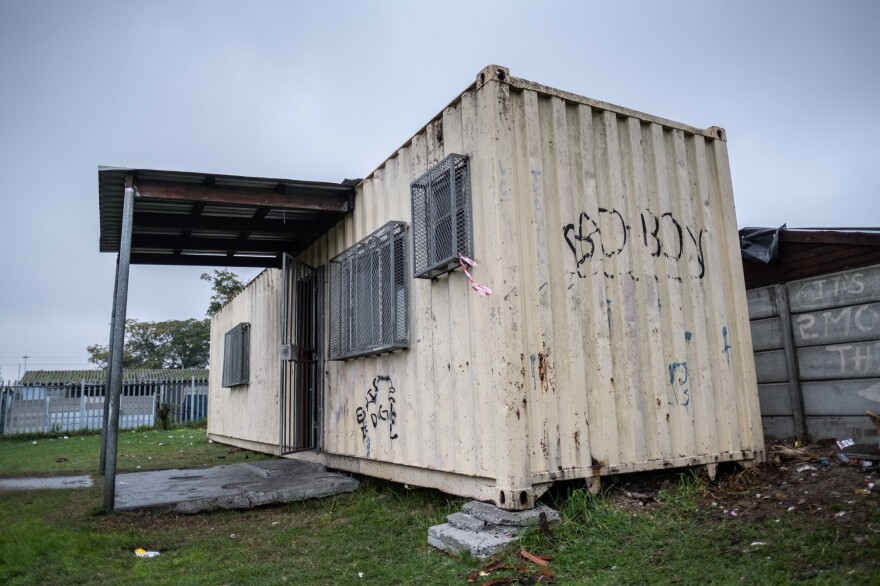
(867, 463)
(275, 523)
(161, 443)
(824, 461)
(840, 514)
(757, 544)
(233, 536)
(35, 443)
(845, 443)
(65, 437)
(733, 513)
(142, 553)
(790, 509)
(541, 560)
(842, 457)
(360, 574)
(493, 567)
(804, 468)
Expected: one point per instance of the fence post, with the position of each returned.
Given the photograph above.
(192, 399)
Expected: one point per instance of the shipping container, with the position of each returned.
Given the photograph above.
(615, 339)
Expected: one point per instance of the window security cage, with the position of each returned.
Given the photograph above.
(441, 213)
(236, 356)
(369, 294)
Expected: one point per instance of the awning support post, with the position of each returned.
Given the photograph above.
(105, 421)
(116, 346)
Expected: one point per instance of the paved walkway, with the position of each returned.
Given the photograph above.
(45, 483)
(234, 486)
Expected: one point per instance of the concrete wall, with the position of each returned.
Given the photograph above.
(817, 354)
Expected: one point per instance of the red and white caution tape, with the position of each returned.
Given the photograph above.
(481, 289)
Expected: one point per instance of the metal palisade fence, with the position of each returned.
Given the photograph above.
(49, 407)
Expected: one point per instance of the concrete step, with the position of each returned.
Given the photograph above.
(284, 467)
(495, 516)
(453, 540)
(470, 523)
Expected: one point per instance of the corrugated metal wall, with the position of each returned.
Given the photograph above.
(636, 342)
(443, 386)
(817, 354)
(617, 335)
(249, 414)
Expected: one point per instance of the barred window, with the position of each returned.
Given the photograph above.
(441, 211)
(236, 356)
(369, 295)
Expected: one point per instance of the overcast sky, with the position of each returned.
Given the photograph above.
(327, 90)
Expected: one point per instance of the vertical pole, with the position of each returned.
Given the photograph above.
(110, 345)
(116, 350)
(192, 399)
(282, 375)
(792, 366)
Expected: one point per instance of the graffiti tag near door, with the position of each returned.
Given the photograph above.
(378, 408)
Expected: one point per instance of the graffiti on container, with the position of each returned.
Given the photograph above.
(726, 348)
(606, 234)
(378, 408)
(678, 381)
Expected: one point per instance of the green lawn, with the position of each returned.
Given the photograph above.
(137, 450)
(61, 537)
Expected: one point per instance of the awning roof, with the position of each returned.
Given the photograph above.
(183, 218)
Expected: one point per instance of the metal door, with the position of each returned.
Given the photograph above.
(301, 356)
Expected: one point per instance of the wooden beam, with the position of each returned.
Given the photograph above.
(221, 245)
(269, 227)
(199, 260)
(332, 198)
(829, 237)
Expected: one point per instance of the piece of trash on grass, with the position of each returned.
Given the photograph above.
(842, 457)
(541, 560)
(840, 514)
(804, 468)
(35, 443)
(867, 463)
(844, 443)
(757, 544)
(233, 536)
(360, 574)
(493, 567)
(142, 553)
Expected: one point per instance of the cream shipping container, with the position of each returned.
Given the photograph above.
(615, 339)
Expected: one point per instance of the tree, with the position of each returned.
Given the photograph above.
(225, 284)
(163, 344)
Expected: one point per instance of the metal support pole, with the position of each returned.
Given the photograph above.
(110, 345)
(116, 350)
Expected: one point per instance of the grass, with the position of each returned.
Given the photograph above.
(140, 449)
(59, 537)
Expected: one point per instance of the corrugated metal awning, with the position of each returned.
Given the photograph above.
(183, 218)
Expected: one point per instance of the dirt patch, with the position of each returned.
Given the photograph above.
(812, 481)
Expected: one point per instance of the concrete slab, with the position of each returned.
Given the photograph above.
(234, 486)
(55, 482)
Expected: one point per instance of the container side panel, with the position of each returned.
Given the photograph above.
(632, 339)
(250, 412)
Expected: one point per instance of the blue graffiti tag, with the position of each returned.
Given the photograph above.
(726, 348)
(681, 381)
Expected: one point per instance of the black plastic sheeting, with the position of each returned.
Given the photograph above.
(760, 244)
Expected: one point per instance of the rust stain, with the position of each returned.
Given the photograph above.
(658, 403)
(517, 413)
(524, 402)
(577, 438)
(545, 371)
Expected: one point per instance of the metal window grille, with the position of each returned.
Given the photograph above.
(236, 356)
(368, 295)
(441, 212)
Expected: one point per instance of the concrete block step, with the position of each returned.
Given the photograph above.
(453, 540)
(470, 523)
(495, 516)
(284, 467)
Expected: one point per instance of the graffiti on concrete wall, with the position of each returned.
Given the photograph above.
(378, 410)
(606, 234)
